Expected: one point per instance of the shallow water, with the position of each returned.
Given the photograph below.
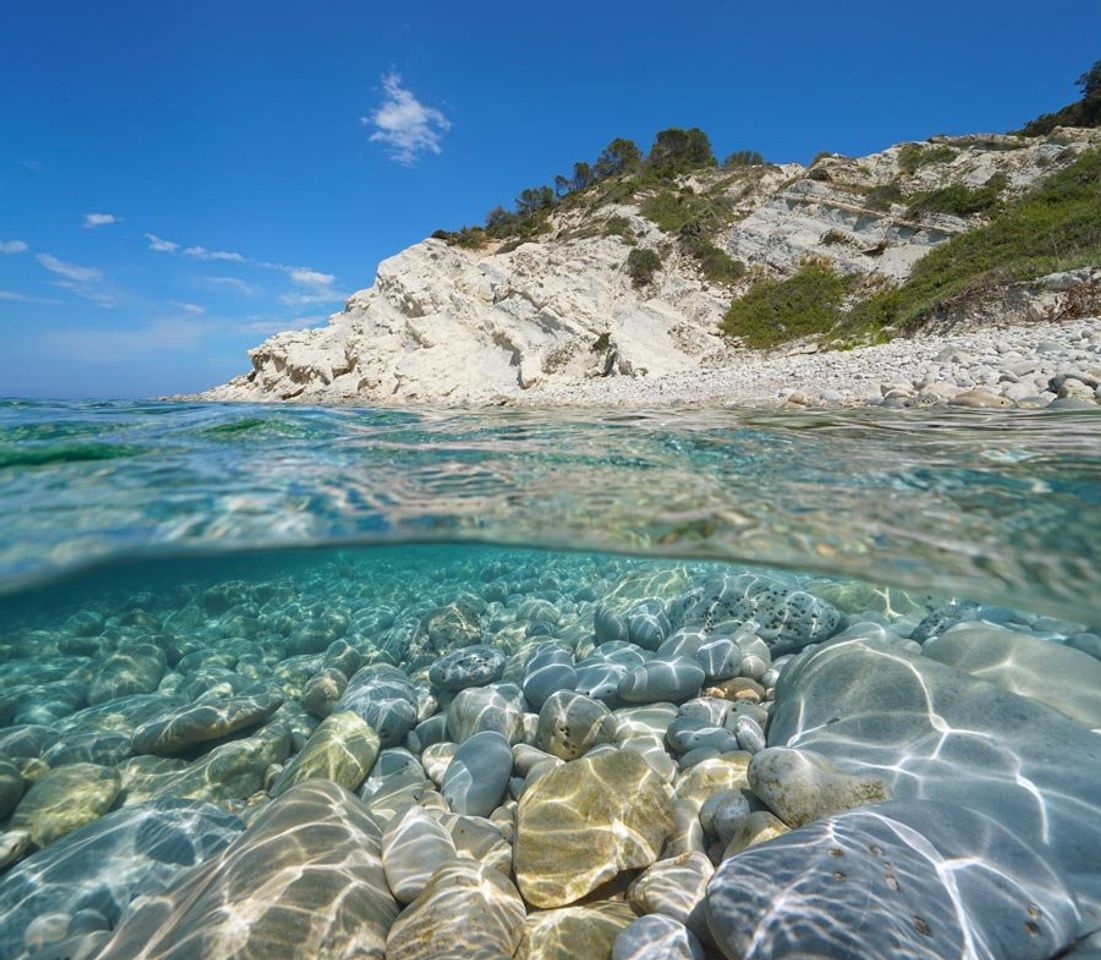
(912, 601)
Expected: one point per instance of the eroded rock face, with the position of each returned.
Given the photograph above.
(911, 879)
(305, 879)
(442, 323)
(584, 822)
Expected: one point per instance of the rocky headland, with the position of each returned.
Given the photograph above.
(642, 290)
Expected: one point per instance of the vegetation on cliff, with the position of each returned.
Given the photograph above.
(1085, 112)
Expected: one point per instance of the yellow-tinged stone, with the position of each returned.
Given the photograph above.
(467, 910)
(342, 749)
(708, 777)
(569, 933)
(584, 822)
(65, 799)
(758, 827)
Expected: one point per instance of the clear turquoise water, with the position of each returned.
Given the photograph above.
(999, 507)
(252, 547)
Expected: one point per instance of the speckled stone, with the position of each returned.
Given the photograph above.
(910, 879)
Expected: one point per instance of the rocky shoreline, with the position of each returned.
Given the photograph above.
(557, 757)
(1025, 365)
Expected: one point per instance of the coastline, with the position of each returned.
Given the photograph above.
(1024, 364)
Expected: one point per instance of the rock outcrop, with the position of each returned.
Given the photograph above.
(452, 325)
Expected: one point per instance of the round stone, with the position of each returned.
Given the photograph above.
(570, 724)
(477, 777)
(585, 822)
(657, 937)
(66, 799)
(549, 670)
(414, 846)
(657, 680)
(467, 667)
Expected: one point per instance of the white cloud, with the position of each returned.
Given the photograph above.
(323, 295)
(193, 308)
(311, 278)
(160, 245)
(404, 124)
(89, 291)
(269, 326)
(14, 297)
(202, 253)
(247, 289)
(85, 282)
(93, 220)
(70, 271)
(12, 246)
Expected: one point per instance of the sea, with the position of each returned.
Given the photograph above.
(189, 592)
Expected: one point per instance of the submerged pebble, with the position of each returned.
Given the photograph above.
(545, 757)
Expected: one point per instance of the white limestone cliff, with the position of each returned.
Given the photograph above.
(446, 324)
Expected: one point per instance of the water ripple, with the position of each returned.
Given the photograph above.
(1001, 506)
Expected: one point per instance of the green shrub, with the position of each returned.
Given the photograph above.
(884, 196)
(773, 311)
(914, 156)
(677, 151)
(744, 158)
(642, 264)
(667, 210)
(617, 226)
(1082, 113)
(1057, 226)
(716, 265)
(960, 200)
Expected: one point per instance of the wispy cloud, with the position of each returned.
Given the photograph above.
(269, 325)
(406, 126)
(13, 296)
(71, 271)
(93, 220)
(193, 308)
(161, 245)
(319, 286)
(235, 283)
(84, 282)
(311, 277)
(12, 246)
(202, 253)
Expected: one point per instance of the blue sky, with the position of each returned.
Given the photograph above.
(180, 179)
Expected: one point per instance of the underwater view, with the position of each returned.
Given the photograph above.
(359, 683)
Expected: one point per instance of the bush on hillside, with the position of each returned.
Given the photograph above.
(774, 311)
(642, 264)
(960, 200)
(914, 156)
(744, 158)
(1057, 226)
(677, 151)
